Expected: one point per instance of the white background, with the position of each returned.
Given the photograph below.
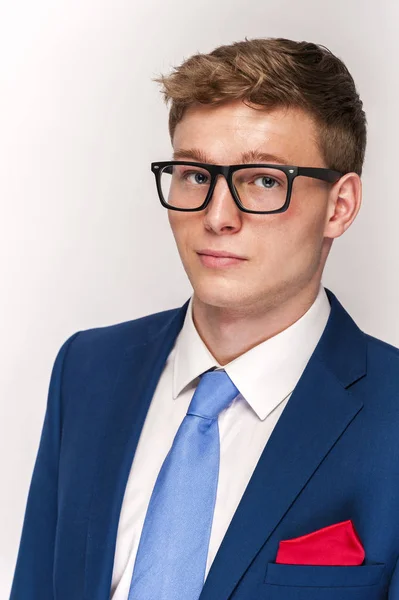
(84, 241)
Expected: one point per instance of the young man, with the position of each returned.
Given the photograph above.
(262, 422)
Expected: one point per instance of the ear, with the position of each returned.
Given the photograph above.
(344, 203)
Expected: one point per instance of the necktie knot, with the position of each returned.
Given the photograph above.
(215, 391)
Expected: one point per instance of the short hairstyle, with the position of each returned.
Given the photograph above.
(277, 72)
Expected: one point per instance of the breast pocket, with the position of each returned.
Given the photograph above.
(297, 582)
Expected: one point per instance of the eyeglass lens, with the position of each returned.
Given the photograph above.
(258, 188)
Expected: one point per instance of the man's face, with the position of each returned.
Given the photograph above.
(284, 252)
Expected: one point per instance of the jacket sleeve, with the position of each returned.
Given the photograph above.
(33, 575)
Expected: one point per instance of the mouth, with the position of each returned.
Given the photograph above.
(212, 261)
(220, 254)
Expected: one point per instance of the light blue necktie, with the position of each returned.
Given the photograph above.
(173, 549)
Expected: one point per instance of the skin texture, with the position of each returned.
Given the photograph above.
(238, 307)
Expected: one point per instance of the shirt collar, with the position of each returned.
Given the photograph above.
(267, 373)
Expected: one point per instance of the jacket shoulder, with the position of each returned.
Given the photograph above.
(383, 366)
(382, 348)
(93, 350)
(126, 334)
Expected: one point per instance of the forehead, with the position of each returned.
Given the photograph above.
(223, 133)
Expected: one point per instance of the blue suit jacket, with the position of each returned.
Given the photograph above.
(333, 456)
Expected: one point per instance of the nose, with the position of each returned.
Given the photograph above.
(222, 207)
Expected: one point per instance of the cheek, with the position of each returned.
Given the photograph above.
(177, 223)
(294, 236)
(304, 220)
(172, 214)
(183, 229)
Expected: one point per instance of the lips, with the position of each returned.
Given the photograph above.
(219, 254)
(219, 262)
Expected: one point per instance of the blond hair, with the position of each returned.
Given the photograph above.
(274, 72)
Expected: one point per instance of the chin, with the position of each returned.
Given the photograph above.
(223, 296)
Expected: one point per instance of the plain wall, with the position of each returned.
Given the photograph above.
(84, 239)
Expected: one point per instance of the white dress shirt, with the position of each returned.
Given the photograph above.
(265, 375)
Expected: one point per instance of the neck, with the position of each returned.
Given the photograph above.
(230, 331)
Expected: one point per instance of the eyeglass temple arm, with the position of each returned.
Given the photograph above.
(320, 173)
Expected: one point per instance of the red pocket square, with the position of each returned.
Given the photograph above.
(335, 545)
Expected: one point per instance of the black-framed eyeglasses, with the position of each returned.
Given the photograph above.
(256, 188)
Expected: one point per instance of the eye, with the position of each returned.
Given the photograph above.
(198, 177)
(267, 182)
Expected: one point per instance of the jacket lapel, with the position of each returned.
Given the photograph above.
(135, 384)
(320, 409)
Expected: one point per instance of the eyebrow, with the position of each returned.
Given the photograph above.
(251, 156)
